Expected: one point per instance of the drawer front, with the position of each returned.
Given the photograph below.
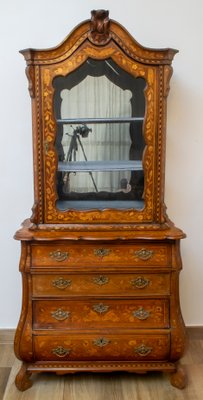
(100, 284)
(102, 347)
(101, 254)
(100, 313)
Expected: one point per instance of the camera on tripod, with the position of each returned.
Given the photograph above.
(76, 142)
(82, 130)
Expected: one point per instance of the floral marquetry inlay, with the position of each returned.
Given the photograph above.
(100, 286)
(100, 39)
(53, 215)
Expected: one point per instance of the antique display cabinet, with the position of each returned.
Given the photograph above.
(100, 259)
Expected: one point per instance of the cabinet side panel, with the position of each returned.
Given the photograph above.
(178, 332)
(23, 337)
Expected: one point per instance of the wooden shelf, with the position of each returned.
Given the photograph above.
(98, 120)
(64, 205)
(92, 166)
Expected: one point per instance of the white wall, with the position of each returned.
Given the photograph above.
(44, 23)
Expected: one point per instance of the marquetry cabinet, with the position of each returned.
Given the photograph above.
(100, 259)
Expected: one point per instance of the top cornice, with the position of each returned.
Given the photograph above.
(100, 31)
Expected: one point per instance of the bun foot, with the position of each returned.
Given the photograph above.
(22, 380)
(178, 378)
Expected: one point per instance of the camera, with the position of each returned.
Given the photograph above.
(82, 130)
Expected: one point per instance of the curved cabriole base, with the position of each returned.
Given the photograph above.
(22, 379)
(23, 382)
(178, 378)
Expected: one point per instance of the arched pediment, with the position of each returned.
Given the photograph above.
(99, 31)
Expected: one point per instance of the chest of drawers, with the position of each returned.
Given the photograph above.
(99, 306)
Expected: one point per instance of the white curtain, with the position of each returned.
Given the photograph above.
(98, 97)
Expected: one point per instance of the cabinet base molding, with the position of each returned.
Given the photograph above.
(23, 381)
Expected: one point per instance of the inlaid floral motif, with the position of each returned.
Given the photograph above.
(52, 215)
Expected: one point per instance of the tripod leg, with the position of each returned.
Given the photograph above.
(85, 157)
(69, 158)
(93, 181)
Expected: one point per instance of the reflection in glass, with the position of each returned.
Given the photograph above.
(99, 110)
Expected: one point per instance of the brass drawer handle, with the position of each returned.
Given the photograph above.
(143, 350)
(61, 283)
(60, 314)
(59, 255)
(101, 280)
(100, 308)
(101, 342)
(61, 352)
(101, 252)
(144, 254)
(141, 314)
(140, 282)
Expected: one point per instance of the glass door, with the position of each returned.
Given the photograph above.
(99, 110)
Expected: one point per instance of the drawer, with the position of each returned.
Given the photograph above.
(104, 284)
(94, 254)
(102, 347)
(100, 313)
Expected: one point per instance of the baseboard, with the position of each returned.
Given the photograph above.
(195, 332)
(7, 335)
(194, 326)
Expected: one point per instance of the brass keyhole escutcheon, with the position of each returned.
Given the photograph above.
(101, 342)
(102, 252)
(143, 350)
(101, 280)
(144, 254)
(141, 314)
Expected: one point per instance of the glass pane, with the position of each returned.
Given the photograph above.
(99, 110)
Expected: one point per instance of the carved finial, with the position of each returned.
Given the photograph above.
(99, 29)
